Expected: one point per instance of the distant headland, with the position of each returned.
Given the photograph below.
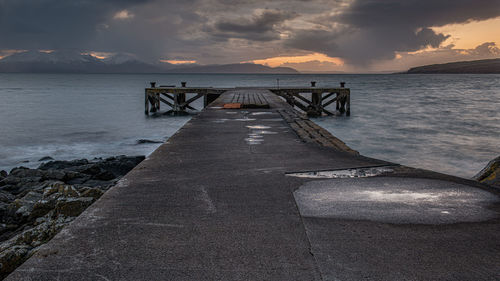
(489, 66)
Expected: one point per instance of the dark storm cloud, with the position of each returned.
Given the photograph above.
(261, 27)
(358, 31)
(420, 13)
(378, 29)
(48, 24)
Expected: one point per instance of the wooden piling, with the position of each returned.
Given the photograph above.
(146, 102)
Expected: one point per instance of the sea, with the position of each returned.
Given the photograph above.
(448, 123)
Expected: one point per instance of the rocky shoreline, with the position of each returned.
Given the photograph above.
(35, 204)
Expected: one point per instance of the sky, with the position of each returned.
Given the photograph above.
(308, 35)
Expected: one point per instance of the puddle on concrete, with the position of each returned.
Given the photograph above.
(395, 200)
(347, 173)
(220, 120)
(264, 132)
(231, 112)
(216, 107)
(223, 120)
(244, 119)
(253, 140)
(262, 113)
(256, 134)
(272, 120)
(258, 127)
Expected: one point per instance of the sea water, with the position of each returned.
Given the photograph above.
(446, 123)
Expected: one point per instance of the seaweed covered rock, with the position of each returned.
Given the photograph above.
(490, 174)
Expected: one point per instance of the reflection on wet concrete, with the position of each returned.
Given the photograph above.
(395, 200)
(262, 127)
(347, 173)
(257, 132)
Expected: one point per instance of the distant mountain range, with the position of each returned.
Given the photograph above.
(75, 62)
(476, 66)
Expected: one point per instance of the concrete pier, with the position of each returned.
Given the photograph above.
(265, 194)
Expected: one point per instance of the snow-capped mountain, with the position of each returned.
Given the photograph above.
(76, 62)
(73, 62)
(50, 57)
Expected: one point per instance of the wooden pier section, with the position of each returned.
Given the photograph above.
(314, 105)
(248, 194)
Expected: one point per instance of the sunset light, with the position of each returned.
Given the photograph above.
(178, 61)
(314, 57)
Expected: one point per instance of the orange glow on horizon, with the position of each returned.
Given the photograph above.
(99, 55)
(278, 61)
(6, 53)
(179, 61)
(472, 34)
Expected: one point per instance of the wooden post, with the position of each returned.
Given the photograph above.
(146, 102)
(290, 99)
(343, 99)
(348, 105)
(315, 109)
(181, 98)
(158, 101)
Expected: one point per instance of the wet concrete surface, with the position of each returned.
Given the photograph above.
(395, 200)
(211, 205)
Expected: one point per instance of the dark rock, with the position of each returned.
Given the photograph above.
(490, 174)
(8, 187)
(90, 169)
(42, 207)
(23, 172)
(99, 183)
(11, 180)
(121, 165)
(72, 207)
(60, 165)
(105, 176)
(12, 257)
(17, 168)
(95, 193)
(143, 141)
(46, 158)
(3, 174)
(24, 206)
(6, 197)
(54, 175)
(4, 210)
(20, 247)
(75, 176)
(61, 188)
(27, 185)
(7, 227)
